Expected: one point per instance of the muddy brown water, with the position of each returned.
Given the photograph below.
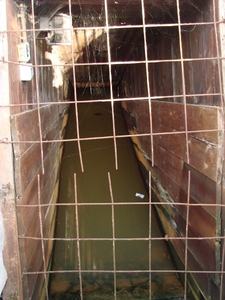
(95, 221)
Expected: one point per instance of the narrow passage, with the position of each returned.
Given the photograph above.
(125, 263)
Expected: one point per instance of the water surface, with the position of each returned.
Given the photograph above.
(132, 258)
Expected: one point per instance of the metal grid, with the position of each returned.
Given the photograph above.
(57, 100)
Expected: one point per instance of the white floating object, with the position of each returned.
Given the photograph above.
(139, 195)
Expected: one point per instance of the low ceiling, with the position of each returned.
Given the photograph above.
(123, 40)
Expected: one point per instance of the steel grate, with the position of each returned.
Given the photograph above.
(156, 66)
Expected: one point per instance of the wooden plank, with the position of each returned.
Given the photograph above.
(177, 215)
(169, 117)
(36, 264)
(25, 126)
(200, 279)
(27, 214)
(204, 157)
(168, 114)
(174, 143)
(27, 166)
(199, 117)
(198, 215)
(202, 191)
(205, 118)
(172, 165)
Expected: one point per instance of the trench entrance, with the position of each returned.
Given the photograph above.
(101, 238)
(111, 251)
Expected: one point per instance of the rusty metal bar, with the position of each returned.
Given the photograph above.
(111, 136)
(129, 62)
(42, 237)
(109, 100)
(111, 82)
(130, 271)
(78, 239)
(148, 81)
(75, 93)
(113, 233)
(150, 233)
(122, 26)
(222, 268)
(186, 235)
(37, 91)
(125, 239)
(183, 79)
(123, 203)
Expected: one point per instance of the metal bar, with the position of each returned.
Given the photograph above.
(150, 234)
(113, 232)
(122, 26)
(115, 100)
(78, 239)
(37, 91)
(75, 92)
(42, 237)
(186, 236)
(126, 239)
(111, 83)
(123, 203)
(129, 62)
(148, 81)
(111, 136)
(130, 271)
(220, 199)
(183, 79)
(222, 268)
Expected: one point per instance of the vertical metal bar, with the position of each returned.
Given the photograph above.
(147, 78)
(218, 56)
(113, 232)
(42, 237)
(222, 268)
(221, 90)
(186, 236)
(37, 87)
(75, 92)
(78, 238)
(111, 83)
(187, 144)
(150, 234)
(183, 80)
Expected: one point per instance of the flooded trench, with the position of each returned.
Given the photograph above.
(96, 261)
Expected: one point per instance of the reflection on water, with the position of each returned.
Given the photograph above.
(131, 221)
